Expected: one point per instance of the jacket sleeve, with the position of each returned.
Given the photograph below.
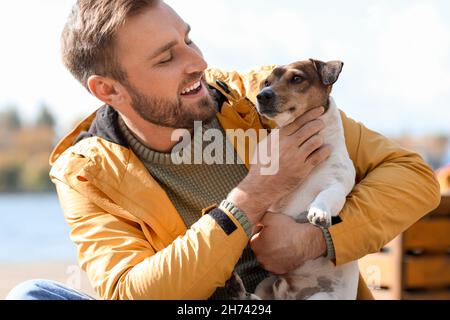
(121, 264)
(394, 189)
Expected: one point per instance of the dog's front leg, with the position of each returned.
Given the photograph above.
(327, 204)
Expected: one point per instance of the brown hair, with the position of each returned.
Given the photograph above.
(88, 39)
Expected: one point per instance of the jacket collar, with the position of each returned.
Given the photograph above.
(105, 126)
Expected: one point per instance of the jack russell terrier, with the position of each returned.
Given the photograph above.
(286, 94)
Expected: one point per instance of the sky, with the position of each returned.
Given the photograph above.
(396, 78)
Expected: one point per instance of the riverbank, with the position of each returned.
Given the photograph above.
(68, 273)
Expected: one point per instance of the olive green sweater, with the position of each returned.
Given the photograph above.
(193, 187)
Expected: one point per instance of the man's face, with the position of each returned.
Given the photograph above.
(164, 69)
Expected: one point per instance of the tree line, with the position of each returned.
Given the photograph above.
(24, 150)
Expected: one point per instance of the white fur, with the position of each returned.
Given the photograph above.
(322, 195)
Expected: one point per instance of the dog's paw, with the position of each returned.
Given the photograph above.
(319, 217)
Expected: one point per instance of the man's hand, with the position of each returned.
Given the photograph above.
(283, 245)
(300, 151)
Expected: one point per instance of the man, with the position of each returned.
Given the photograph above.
(142, 224)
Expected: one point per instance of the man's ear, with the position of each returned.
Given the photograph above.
(107, 90)
(328, 71)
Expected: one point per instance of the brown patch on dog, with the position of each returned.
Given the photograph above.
(279, 72)
(329, 72)
(325, 284)
(299, 87)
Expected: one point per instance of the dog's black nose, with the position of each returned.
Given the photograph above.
(266, 97)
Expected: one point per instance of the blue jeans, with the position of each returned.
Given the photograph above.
(45, 290)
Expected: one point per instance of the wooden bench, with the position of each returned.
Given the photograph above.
(415, 265)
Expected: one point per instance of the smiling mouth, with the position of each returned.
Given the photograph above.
(193, 89)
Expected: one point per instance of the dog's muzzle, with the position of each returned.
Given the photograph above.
(266, 102)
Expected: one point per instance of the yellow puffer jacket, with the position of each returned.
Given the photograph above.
(134, 245)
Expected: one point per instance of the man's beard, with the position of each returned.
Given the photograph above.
(172, 113)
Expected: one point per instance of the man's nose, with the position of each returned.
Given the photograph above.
(196, 62)
(266, 97)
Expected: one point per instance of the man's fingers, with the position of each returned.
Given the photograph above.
(318, 156)
(257, 229)
(309, 130)
(311, 145)
(254, 241)
(304, 119)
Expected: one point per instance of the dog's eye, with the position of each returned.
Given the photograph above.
(296, 79)
(266, 83)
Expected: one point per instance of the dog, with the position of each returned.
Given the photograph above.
(287, 93)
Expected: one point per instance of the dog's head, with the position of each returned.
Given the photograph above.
(292, 90)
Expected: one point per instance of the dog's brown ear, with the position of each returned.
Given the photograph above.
(329, 72)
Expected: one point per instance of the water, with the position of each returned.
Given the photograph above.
(33, 229)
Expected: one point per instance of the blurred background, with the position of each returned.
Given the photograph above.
(396, 80)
